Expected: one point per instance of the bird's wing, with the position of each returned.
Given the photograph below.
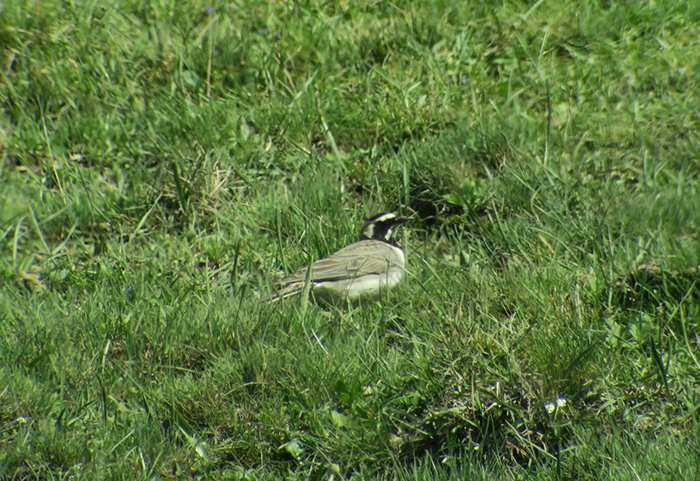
(375, 258)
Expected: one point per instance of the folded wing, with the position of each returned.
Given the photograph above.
(359, 259)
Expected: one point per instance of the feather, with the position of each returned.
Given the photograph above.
(356, 260)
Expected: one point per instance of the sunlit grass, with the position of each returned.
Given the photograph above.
(162, 163)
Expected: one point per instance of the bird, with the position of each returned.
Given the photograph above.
(358, 272)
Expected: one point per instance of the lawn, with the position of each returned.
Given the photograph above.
(162, 163)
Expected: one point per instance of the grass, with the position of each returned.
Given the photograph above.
(163, 162)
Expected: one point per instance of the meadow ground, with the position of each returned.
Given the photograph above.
(162, 162)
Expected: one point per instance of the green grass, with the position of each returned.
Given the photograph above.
(162, 163)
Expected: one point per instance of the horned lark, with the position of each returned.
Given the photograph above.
(357, 272)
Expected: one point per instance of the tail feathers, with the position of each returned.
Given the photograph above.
(284, 292)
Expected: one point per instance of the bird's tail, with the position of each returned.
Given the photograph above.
(283, 292)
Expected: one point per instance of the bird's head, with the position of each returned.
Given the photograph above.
(382, 227)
